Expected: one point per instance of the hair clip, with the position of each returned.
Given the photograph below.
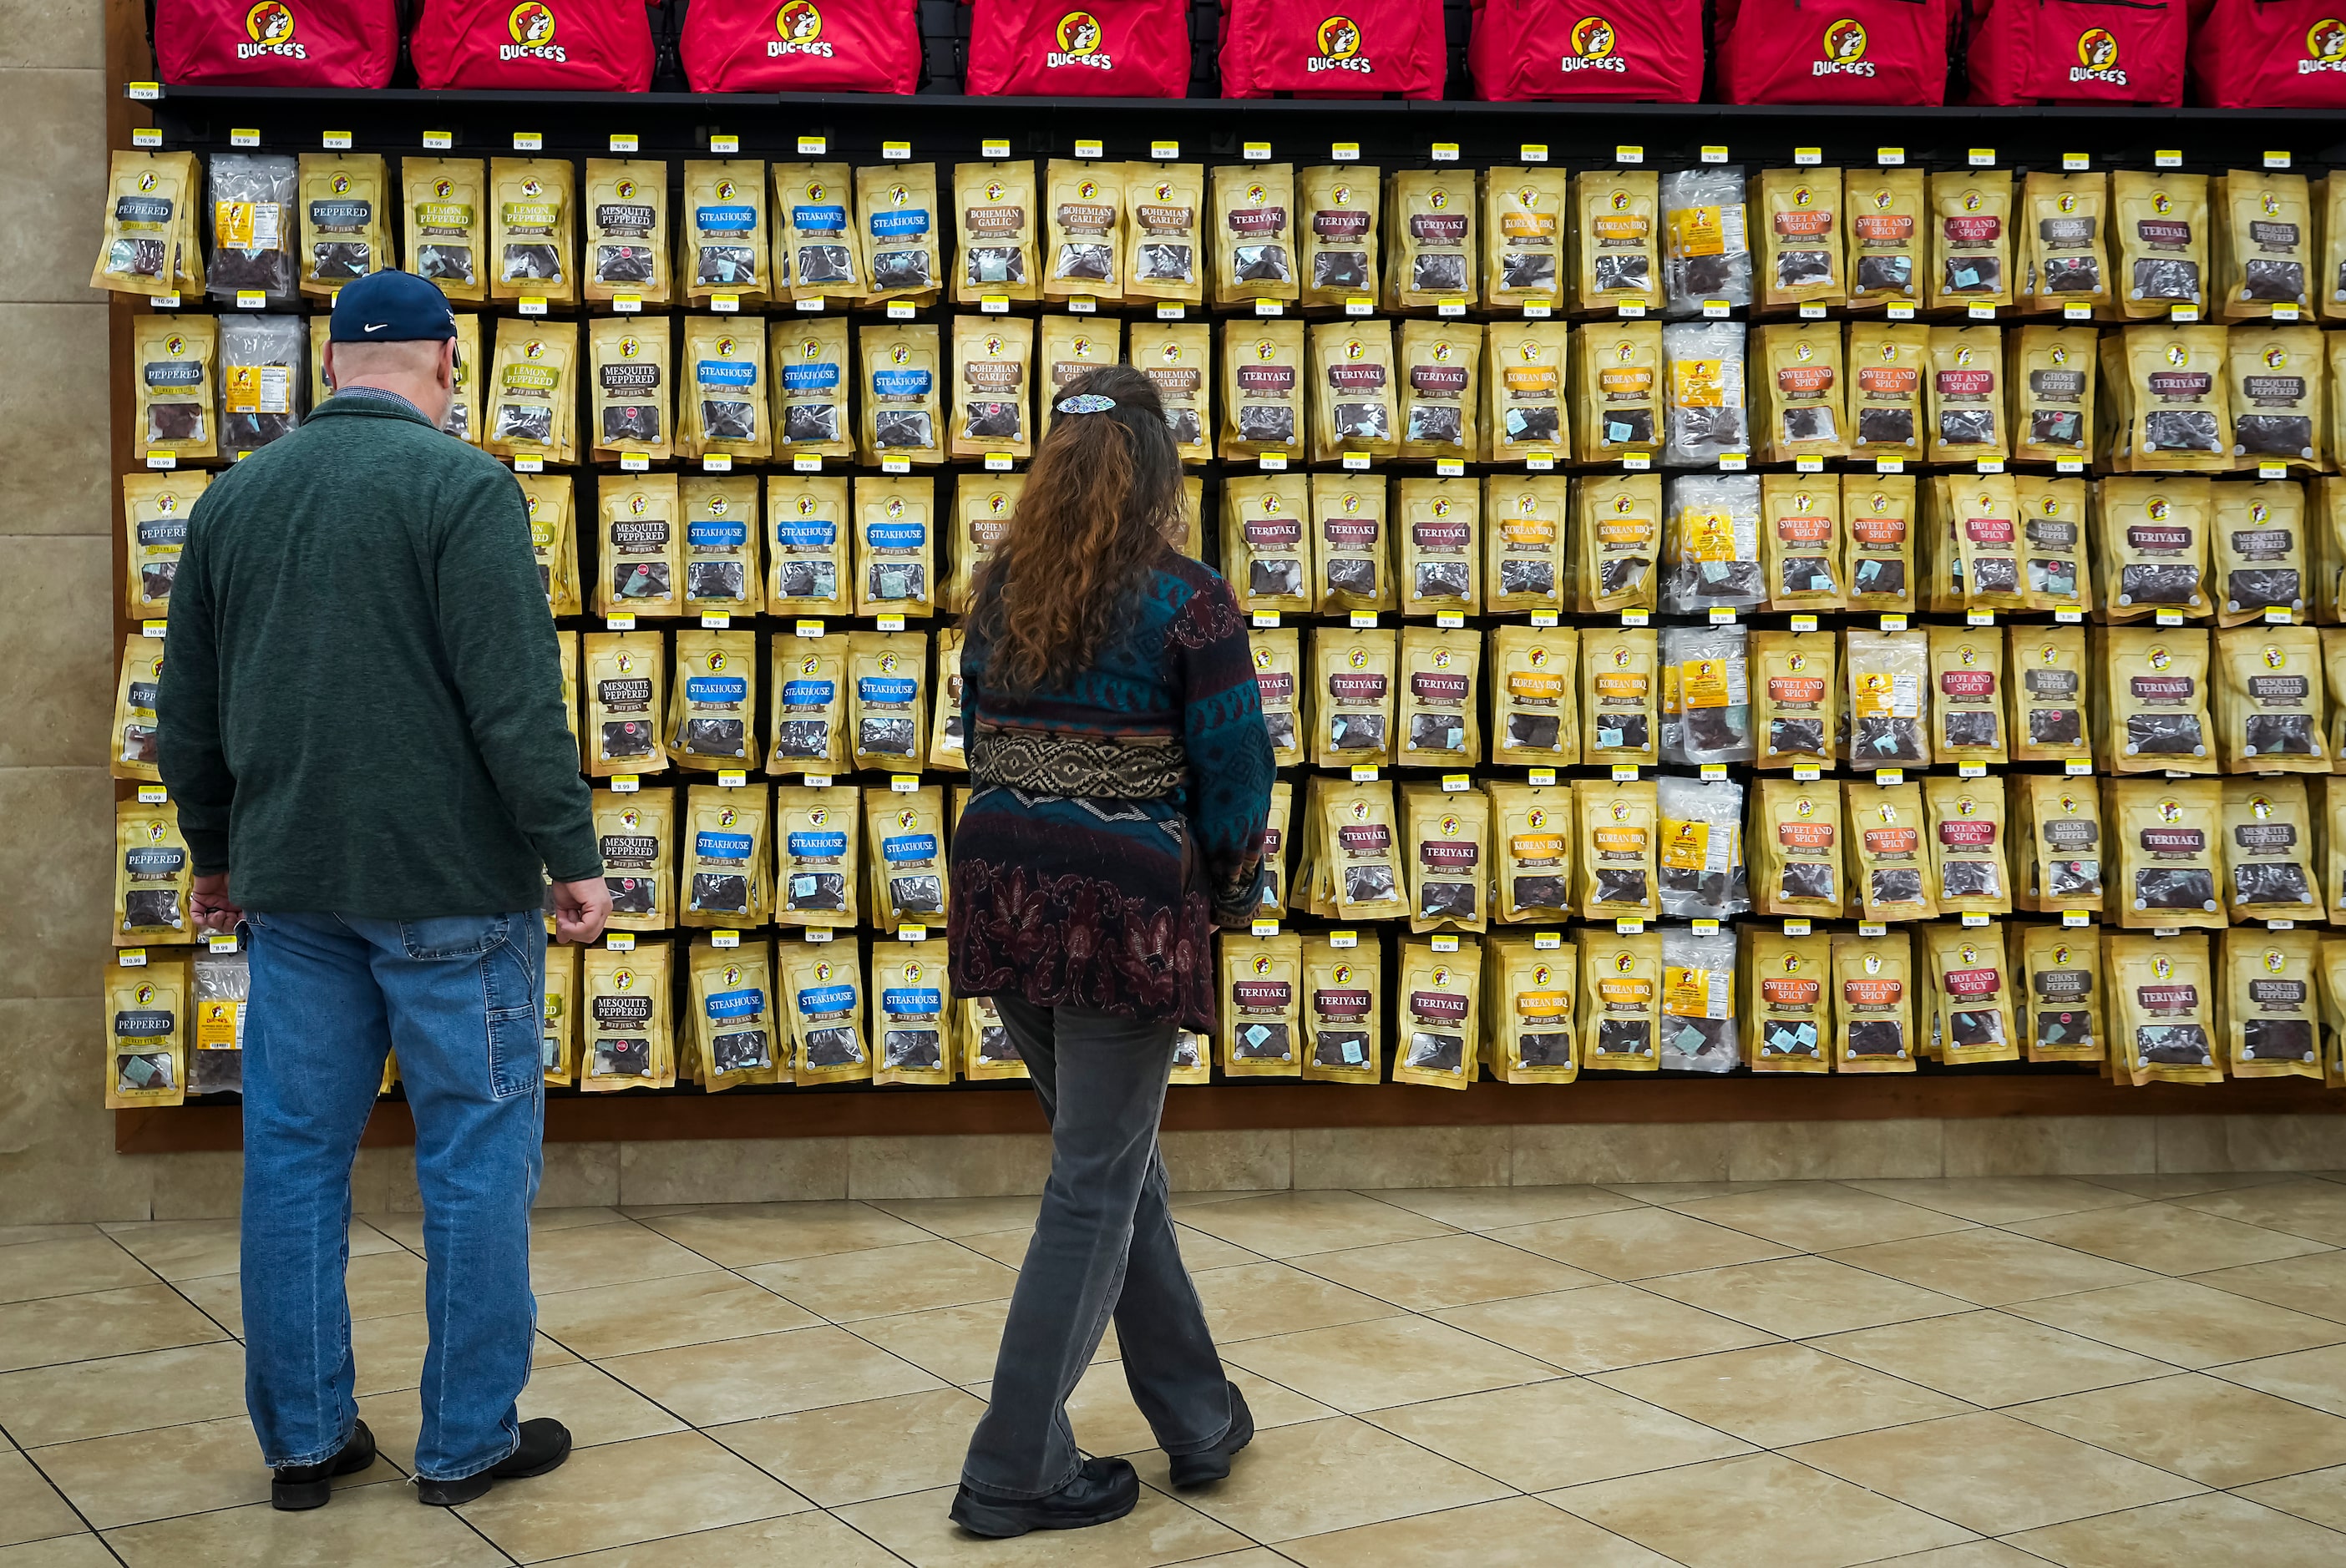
(1085, 403)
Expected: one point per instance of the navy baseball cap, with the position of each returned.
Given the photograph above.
(392, 308)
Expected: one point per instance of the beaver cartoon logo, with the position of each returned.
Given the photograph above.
(2275, 961)
(1844, 51)
(1623, 963)
(2325, 48)
(798, 30)
(1873, 963)
(1339, 41)
(1262, 964)
(531, 25)
(268, 30)
(1078, 37)
(1593, 39)
(809, 505)
(2097, 58)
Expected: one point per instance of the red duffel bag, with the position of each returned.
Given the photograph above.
(2269, 55)
(1837, 52)
(802, 47)
(1107, 49)
(2077, 51)
(1375, 47)
(578, 45)
(1648, 49)
(278, 43)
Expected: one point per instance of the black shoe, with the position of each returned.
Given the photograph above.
(545, 1444)
(294, 1487)
(1104, 1490)
(1213, 1464)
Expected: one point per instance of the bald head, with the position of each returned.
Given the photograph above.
(422, 371)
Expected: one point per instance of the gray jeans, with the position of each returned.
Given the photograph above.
(1104, 1244)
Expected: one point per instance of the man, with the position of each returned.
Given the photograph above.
(361, 721)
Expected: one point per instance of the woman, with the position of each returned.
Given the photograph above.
(1122, 781)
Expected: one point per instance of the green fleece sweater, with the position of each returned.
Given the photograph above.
(362, 699)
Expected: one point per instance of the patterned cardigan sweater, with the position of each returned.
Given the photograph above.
(1114, 821)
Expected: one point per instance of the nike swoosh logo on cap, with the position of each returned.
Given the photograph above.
(376, 326)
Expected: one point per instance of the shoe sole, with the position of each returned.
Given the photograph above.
(1186, 1479)
(300, 1496)
(1002, 1523)
(442, 1498)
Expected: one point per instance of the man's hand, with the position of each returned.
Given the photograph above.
(213, 911)
(580, 908)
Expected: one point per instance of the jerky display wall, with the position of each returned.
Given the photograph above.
(1812, 611)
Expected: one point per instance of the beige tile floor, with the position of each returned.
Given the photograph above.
(1941, 1374)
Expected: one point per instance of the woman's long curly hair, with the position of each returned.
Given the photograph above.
(1103, 498)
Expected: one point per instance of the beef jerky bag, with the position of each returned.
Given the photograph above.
(147, 197)
(1254, 233)
(822, 986)
(993, 360)
(2270, 869)
(2269, 700)
(818, 244)
(948, 742)
(807, 552)
(533, 397)
(1338, 229)
(902, 415)
(155, 508)
(885, 714)
(1706, 694)
(1351, 560)
(1703, 416)
(1436, 524)
(532, 228)
(1532, 830)
(256, 216)
(1523, 528)
(1523, 228)
(136, 748)
(1801, 261)
(1794, 692)
(2181, 417)
(219, 984)
(1528, 1026)
(1800, 542)
(1698, 1021)
(818, 837)
(2267, 1008)
(345, 224)
(262, 381)
(1262, 1014)
(1617, 534)
(725, 391)
(1276, 665)
(736, 1030)
(1535, 681)
(725, 866)
(2162, 239)
(1163, 203)
(809, 368)
(1800, 404)
(1616, 855)
(625, 211)
(1971, 224)
(2274, 386)
(1967, 679)
(639, 557)
(637, 834)
(1524, 405)
(2152, 539)
(2047, 679)
(903, 250)
(1439, 703)
(1967, 821)
(1448, 836)
(2161, 991)
(1273, 905)
(628, 393)
(552, 505)
(1353, 406)
(723, 245)
(1263, 377)
(1083, 249)
(153, 875)
(1343, 1014)
(1889, 699)
(1430, 216)
(1266, 546)
(1700, 847)
(713, 700)
(2263, 243)
(2055, 573)
(896, 546)
(1439, 364)
(996, 211)
(1706, 239)
(465, 419)
(1353, 683)
(987, 1050)
(1896, 876)
(912, 1014)
(1966, 402)
(2062, 243)
(2061, 994)
(1796, 848)
(1178, 360)
(2056, 832)
(174, 393)
(2049, 372)
(1072, 346)
(1878, 510)
(2333, 661)
(2156, 699)
(147, 1012)
(2168, 852)
(810, 706)
(1614, 239)
(910, 884)
(1886, 235)
(1787, 1003)
(1874, 1007)
(984, 504)
(1711, 543)
(1620, 701)
(1886, 364)
(1620, 999)
(2258, 534)
(1972, 974)
(1617, 389)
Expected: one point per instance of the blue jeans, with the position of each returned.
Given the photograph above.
(459, 998)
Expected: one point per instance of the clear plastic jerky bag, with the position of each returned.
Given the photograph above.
(1697, 1026)
(1706, 694)
(1711, 542)
(1703, 415)
(1706, 254)
(254, 217)
(264, 380)
(1700, 826)
(222, 982)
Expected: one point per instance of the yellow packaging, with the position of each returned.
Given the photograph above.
(625, 1012)
(1082, 254)
(640, 551)
(531, 391)
(1801, 536)
(2271, 868)
(2167, 836)
(1878, 511)
(1787, 1001)
(887, 673)
(1873, 1005)
(895, 545)
(1524, 406)
(1178, 360)
(712, 712)
(533, 229)
(998, 216)
(2153, 717)
(153, 875)
(900, 370)
(1528, 1024)
(2267, 1003)
(1967, 397)
(147, 215)
(1887, 364)
(176, 386)
(1260, 1018)
(809, 368)
(1343, 1011)
(1431, 245)
(818, 835)
(1254, 233)
(1801, 402)
(902, 249)
(1276, 665)
(1620, 999)
(823, 988)
(1163, 203)
(1438, 995)
(155, 508)
(1437, 527)
(818, 243)
(736, 1034)
(1440, 712)
(623, 678)
(447, 222)
(807, 552)
(146, 1035)
(1800, 260)
(1440, 363)
(2056, 839)
(2161, 996)
(136, 743)
(1338, 229)
(1618, 701)
(1536, 684)
(625, 211)
(1793, 687)
(1616, 535)
(1263, 378)
(628, 390)
(1524, 229)
(1796, 848)
(1971, 237)
(1886, 232)
(1616, 853)
(993, 363)
(1532, 831)
(1974, 982)
(912, 1014)
(1266, 546)
(2062, 245)
(1614, 239)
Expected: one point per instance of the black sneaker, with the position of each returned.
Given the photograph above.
(294, 1487)
(1104, 1490)
(1209, 1465)
(545, 1444)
